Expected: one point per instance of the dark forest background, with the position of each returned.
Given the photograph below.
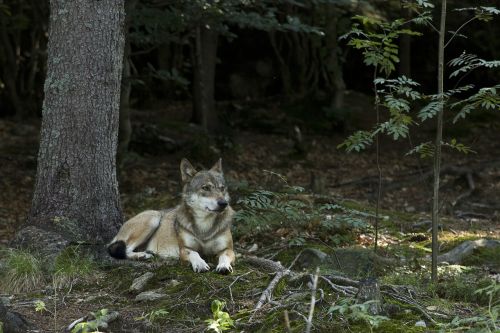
(284, 51)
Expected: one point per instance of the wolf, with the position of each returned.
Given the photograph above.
(199, 225)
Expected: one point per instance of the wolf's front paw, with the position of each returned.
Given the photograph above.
(224, 268)
(143, 256)
(200, 266)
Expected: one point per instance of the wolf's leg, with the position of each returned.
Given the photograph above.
(140, 236)
(226, 258)
(199, 265)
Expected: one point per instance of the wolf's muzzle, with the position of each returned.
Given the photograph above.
(221, 204)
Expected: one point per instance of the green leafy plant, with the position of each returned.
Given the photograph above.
(263, 210)
(221, 320)
(357, 312)
(487, 321)
(92, 325)
(40, 306)
(154, 315)
(375, 38)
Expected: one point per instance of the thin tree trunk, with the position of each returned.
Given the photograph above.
(10, 68)
(439, 139)
(205, 59)
(76, 191)
(337, 78)
(286, 77)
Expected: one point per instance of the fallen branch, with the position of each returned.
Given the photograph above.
(266, 295)
(265, 264)
(465, 249)
(346, 291)
(410, 302)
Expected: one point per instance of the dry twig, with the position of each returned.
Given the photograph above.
(313, 301)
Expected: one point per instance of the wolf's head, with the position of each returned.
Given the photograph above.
(204, 191)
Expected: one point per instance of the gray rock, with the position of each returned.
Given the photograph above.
(140, 282)
(13, 322)
(5, 300)
(311, 258)
(173, 283)
(420, 323)
(151, 295)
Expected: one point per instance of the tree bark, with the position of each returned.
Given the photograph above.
(286, 76)
(205, 59)
(334, 65)
(76, 191)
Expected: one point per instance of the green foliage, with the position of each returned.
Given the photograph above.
(397, 95)
(468, 62)
(263, 210)
(377, 40)
(153, 25)
(154, 315)
(93, 325)
(425, 150)
(40, 306)
(354, 312)
(460, 147)
(482, 13)
(486, 98)
(357, 141)
(221, 320)
(487, 321)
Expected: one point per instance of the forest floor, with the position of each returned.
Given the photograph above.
(303, 205)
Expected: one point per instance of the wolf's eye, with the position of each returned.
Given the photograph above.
(222, 187)
(205, 187)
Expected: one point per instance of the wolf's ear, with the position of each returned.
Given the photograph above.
(187, 170)
(217, 166)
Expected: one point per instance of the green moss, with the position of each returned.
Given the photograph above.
(450, 241)
(462, 289)
(403, 326)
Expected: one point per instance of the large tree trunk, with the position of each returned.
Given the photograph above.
(205, 59)
(76, 191)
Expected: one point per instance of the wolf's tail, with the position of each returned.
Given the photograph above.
(118, 250)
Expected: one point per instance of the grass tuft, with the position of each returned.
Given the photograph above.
(22, 272)
(73, 265)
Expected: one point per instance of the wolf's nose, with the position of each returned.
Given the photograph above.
(222, 203)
